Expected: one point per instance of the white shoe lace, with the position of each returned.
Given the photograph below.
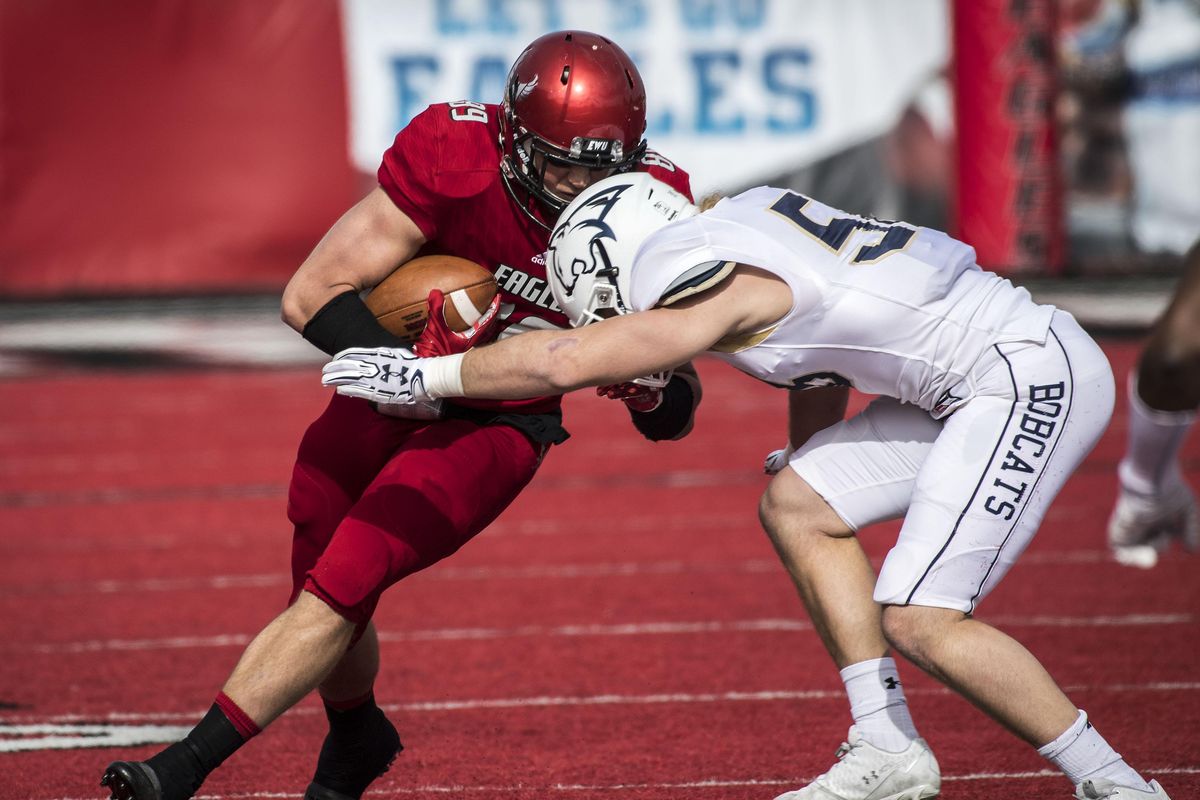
(844, 749)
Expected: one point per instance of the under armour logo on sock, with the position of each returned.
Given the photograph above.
(891, 683)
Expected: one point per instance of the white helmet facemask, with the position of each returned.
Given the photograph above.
(592, 248)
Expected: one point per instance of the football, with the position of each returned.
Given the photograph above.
(399, 301)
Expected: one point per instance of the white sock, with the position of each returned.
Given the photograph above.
(877, 704)
(1151, 454)
(1081, 753)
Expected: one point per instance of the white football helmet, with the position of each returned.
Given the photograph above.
(591, 251)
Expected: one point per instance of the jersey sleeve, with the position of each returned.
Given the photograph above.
(409, 171)
(673, 263)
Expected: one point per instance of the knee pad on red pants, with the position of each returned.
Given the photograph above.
(353, 571)
(387, 536)
(315, 512)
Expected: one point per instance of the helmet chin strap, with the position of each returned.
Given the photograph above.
(530, 201)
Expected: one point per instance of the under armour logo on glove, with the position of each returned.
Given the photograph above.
(777, 459)
(382, 374)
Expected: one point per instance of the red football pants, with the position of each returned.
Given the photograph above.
(375, 498)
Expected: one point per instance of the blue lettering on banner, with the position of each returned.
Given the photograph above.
(792, 104)
(487, 79)
(552, 19)
(410, 99)
(783, 74)
(454, 19)
(628, 15)
(496, 17)
(706, 15)
(714, 103)
(715, 72)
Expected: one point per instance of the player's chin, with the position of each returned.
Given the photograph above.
(564, 195)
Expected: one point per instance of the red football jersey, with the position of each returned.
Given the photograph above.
(443, 171)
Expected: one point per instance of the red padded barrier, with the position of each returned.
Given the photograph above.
(1009, 205)
(168, 145)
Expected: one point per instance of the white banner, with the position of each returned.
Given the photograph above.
(739, 91)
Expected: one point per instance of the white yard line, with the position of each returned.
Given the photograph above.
(551, 701)
(591, 630)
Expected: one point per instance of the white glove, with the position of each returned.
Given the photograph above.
(426, 410)
(386, 375)
(777, 460)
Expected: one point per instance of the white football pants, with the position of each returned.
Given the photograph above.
(972, 487)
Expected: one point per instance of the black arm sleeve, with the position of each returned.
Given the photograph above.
(673, 417)
(345, 321)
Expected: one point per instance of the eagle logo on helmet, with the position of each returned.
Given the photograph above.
(522, 89)
(588, 219)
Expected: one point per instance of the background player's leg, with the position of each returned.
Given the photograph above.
(1169, 368)
(1155, 504)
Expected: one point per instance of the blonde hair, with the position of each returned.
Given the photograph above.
(710, 200)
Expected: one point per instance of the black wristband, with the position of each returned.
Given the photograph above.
(673, 415)
(345, 321)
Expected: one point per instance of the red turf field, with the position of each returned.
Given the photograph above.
(623, 632)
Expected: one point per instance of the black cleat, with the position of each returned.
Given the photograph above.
(352, 770)
(316, 791)
(131, 780)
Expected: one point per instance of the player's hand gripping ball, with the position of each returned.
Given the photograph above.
(440, 339)
(401, 300)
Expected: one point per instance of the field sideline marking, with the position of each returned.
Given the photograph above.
(626, 629)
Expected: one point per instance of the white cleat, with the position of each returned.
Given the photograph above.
(864, 772)
(1101, 789)
(1142, 527)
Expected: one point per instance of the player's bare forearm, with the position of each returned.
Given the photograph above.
(361, 249)
(814, 410)
(612, 351)
(626, 347)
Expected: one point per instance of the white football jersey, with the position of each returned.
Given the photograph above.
(889, 308)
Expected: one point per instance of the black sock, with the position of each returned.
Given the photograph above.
(360, 747)
(183, 766)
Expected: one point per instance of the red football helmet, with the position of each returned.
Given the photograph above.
(572, 99)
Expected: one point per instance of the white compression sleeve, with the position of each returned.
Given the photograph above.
(443, 376)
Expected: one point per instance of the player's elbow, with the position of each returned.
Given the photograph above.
(562, 375)
(291, 311)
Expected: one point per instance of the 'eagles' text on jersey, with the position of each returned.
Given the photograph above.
(443, 171)
(889, 308)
